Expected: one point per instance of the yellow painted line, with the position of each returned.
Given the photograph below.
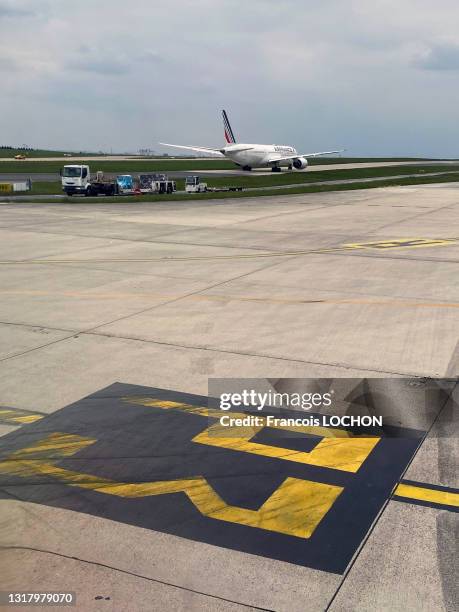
(337, 450)
(55, 445)
(412, 243)
(295, 508)
(423, 493)
(345, 454)
(18, 417)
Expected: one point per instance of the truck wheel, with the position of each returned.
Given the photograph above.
(88, 192)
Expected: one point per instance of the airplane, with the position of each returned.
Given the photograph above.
(249, 156)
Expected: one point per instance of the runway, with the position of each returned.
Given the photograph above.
(115, 480)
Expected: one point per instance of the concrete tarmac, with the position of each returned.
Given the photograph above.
(165, 295)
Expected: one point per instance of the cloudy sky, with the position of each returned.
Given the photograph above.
(378, 77)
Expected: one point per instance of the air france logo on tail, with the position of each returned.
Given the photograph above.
(229, 136)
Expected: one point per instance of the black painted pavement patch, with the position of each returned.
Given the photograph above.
(127, 453)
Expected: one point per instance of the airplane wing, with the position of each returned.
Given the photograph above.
(278, 159)
(199, 149)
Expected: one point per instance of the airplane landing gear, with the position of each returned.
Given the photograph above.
(276, 169)
(290, 166)
(247, 168)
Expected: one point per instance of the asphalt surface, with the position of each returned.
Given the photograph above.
(113, 319)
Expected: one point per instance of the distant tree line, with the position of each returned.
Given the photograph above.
(24, 148)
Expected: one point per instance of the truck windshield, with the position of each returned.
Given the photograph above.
(72, 171)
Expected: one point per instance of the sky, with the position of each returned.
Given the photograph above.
(377, 77)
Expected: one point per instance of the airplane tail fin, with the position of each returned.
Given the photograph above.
(229, 135)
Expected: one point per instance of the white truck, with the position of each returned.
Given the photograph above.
(193, 185)
(76, 178)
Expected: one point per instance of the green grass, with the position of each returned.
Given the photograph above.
(45, 187)
(253, 181)
(291, 178)
(448, 177)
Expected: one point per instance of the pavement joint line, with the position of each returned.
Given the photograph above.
(346, 247)
(415, 216)
(215, 297)
(298, 211)
(135, 575)
(173, 259)
(197, 291)
(35, 325)
(92, 329)
(344, 253)
(36, 348)
(27, 261)
(247, 354)
(155, 241)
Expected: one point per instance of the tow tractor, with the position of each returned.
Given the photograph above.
(193, 185)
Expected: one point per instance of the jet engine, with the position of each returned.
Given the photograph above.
(300, 163)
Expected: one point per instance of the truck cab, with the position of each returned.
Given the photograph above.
(76, 179)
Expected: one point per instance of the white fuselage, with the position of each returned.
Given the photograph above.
(257, 155)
